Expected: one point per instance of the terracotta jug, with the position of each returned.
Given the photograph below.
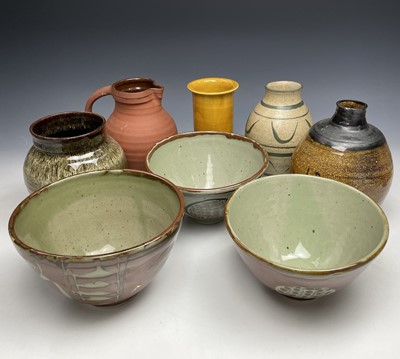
(138, 121)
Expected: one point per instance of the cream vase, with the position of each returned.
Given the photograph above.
(279, 122)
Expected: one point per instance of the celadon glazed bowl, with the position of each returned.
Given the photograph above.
(99, 237)
(303, 236)
(207, 167)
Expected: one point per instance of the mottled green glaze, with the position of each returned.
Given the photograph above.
(69, 143)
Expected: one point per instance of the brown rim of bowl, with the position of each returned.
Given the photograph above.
(311, 272)
(153, 242)
(60, 116)
(228, 135)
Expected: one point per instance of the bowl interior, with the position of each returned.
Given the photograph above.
(96, 213)
(306, 222)
(206, 161)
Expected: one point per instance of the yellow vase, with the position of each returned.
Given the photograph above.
(213, 103)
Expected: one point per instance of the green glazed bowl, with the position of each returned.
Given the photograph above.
(305, 236)
(100, 237)
(207, 167)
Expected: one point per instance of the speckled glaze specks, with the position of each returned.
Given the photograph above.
(347, 149)
(279, 122)
(138, 120)
(305, 236)
(66, 144)
(207, 167)
(99, 237)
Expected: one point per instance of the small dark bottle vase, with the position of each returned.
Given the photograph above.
(348, 149)
(69, 143)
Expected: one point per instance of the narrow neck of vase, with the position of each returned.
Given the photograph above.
(283, 95)
(68, 133)
(350, 113)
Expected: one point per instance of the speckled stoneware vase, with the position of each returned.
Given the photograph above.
(138, 120)
(279, 122)
(347, 149)
(69, 143)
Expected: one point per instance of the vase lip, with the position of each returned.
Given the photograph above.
(283, 86)
(352, 105)
(212, 86)
(97, 126)
(348, 128)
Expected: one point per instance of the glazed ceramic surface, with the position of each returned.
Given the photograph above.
(69, 143)
(207, 167)
(213, 103)
(305, 236)
(279, 122)
(138, 120)
(347, 149)
(99, 237)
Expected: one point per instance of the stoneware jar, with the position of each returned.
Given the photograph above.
(138, 120)
(279, 122)
(348, 149)
(69, 143)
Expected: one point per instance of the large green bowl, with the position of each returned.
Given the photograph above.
(99, 237)
(305, 236)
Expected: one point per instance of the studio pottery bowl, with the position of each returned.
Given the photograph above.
(99, 237)
(207, 167)
(305, 236)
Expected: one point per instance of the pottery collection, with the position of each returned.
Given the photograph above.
(300, 200)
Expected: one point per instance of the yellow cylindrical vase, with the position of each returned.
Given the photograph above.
(213, 103)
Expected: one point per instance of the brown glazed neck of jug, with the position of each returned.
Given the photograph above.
(348, 128)
(137, 90)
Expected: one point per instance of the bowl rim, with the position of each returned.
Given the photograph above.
(311, 272)
(229, 136)
(173, 227)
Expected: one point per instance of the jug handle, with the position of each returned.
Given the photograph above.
(102, 91)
